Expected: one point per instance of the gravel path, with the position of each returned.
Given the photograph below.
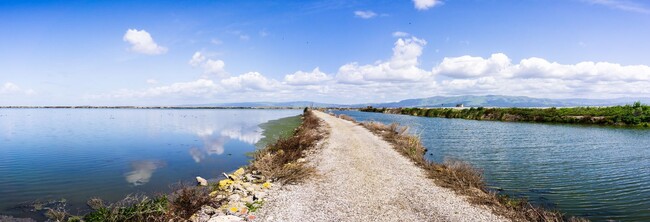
(361, 178)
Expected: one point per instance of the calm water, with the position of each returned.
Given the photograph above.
(75, 154)
(596, 172)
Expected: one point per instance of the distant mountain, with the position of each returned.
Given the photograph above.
(451, 101)
(507, 101)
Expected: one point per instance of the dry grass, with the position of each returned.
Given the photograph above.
(280, 161)
(461, 177)
(188, 200)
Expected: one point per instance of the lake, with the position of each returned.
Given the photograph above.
(70, 155)
(595, 172)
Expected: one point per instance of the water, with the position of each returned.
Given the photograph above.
(596, 172)
(75, 154)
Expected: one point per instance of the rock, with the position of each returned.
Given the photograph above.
(238, 186)
(259, 195)
(249, 177)
(301, 160)
(227, 218)
(234, 198)
(247, 199)
(201, 181)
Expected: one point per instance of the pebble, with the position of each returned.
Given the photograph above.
(226, 218)
(201, 181)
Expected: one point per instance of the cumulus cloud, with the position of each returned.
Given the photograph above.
(142, 42)
(197, 59)
(307, 78)
(469, 66)
(249, 81)
(10, 88)
(401, 77)
(365, 14)
(403, 65)
(499, 65)
(212, 67)
(425, 4)
(215, 67)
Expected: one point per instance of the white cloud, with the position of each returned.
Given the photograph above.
(401, 77)
(152, 81)
(621, 5)
(426, 4)
(399, 34)
(403, 66)
(197, 59)
(216, 41)
(365, 14)
(244, 37)
(468, 66)
(141, 42)
(211, 67)
(10, 88)
(215, 67)
(249, 81)
(307, 78)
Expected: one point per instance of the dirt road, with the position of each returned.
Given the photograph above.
(361, 178)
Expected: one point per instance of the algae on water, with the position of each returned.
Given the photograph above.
(279, 128)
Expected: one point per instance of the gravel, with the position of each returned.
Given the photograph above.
(361, 178)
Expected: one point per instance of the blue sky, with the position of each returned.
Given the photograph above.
(188, 52)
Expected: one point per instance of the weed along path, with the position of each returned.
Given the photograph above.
(362, 178)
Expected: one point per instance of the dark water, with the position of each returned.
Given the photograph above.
(75, 154)
(595, 172)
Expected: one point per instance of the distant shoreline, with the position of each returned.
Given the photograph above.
(144, 107)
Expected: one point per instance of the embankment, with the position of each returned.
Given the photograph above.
(360, 177)
(636, 115)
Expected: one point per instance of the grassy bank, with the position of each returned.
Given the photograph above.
(629, 115)
(460, 176)
(279, 128)
(278, 162)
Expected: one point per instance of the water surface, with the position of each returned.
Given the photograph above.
(75, 154)
(596, 172)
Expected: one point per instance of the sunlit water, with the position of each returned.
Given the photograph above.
(596, 172)
(76, 154)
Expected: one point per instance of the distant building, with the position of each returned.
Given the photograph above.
(460, 105)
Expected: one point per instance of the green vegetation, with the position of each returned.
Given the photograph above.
(281, 160)
(279, 128)
(628, 115)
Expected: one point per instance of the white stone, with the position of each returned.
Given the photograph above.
(234, 197)
(227, 218)
(201, 181)
(259, 195)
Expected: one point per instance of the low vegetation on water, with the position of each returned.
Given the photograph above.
(281, 162)
(460, 176)
(636, 114)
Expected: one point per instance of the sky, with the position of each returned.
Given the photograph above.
(345, 52)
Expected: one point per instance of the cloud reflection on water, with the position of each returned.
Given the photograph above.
(215, 139)
(142, 171)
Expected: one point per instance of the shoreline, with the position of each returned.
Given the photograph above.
(631, 116)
